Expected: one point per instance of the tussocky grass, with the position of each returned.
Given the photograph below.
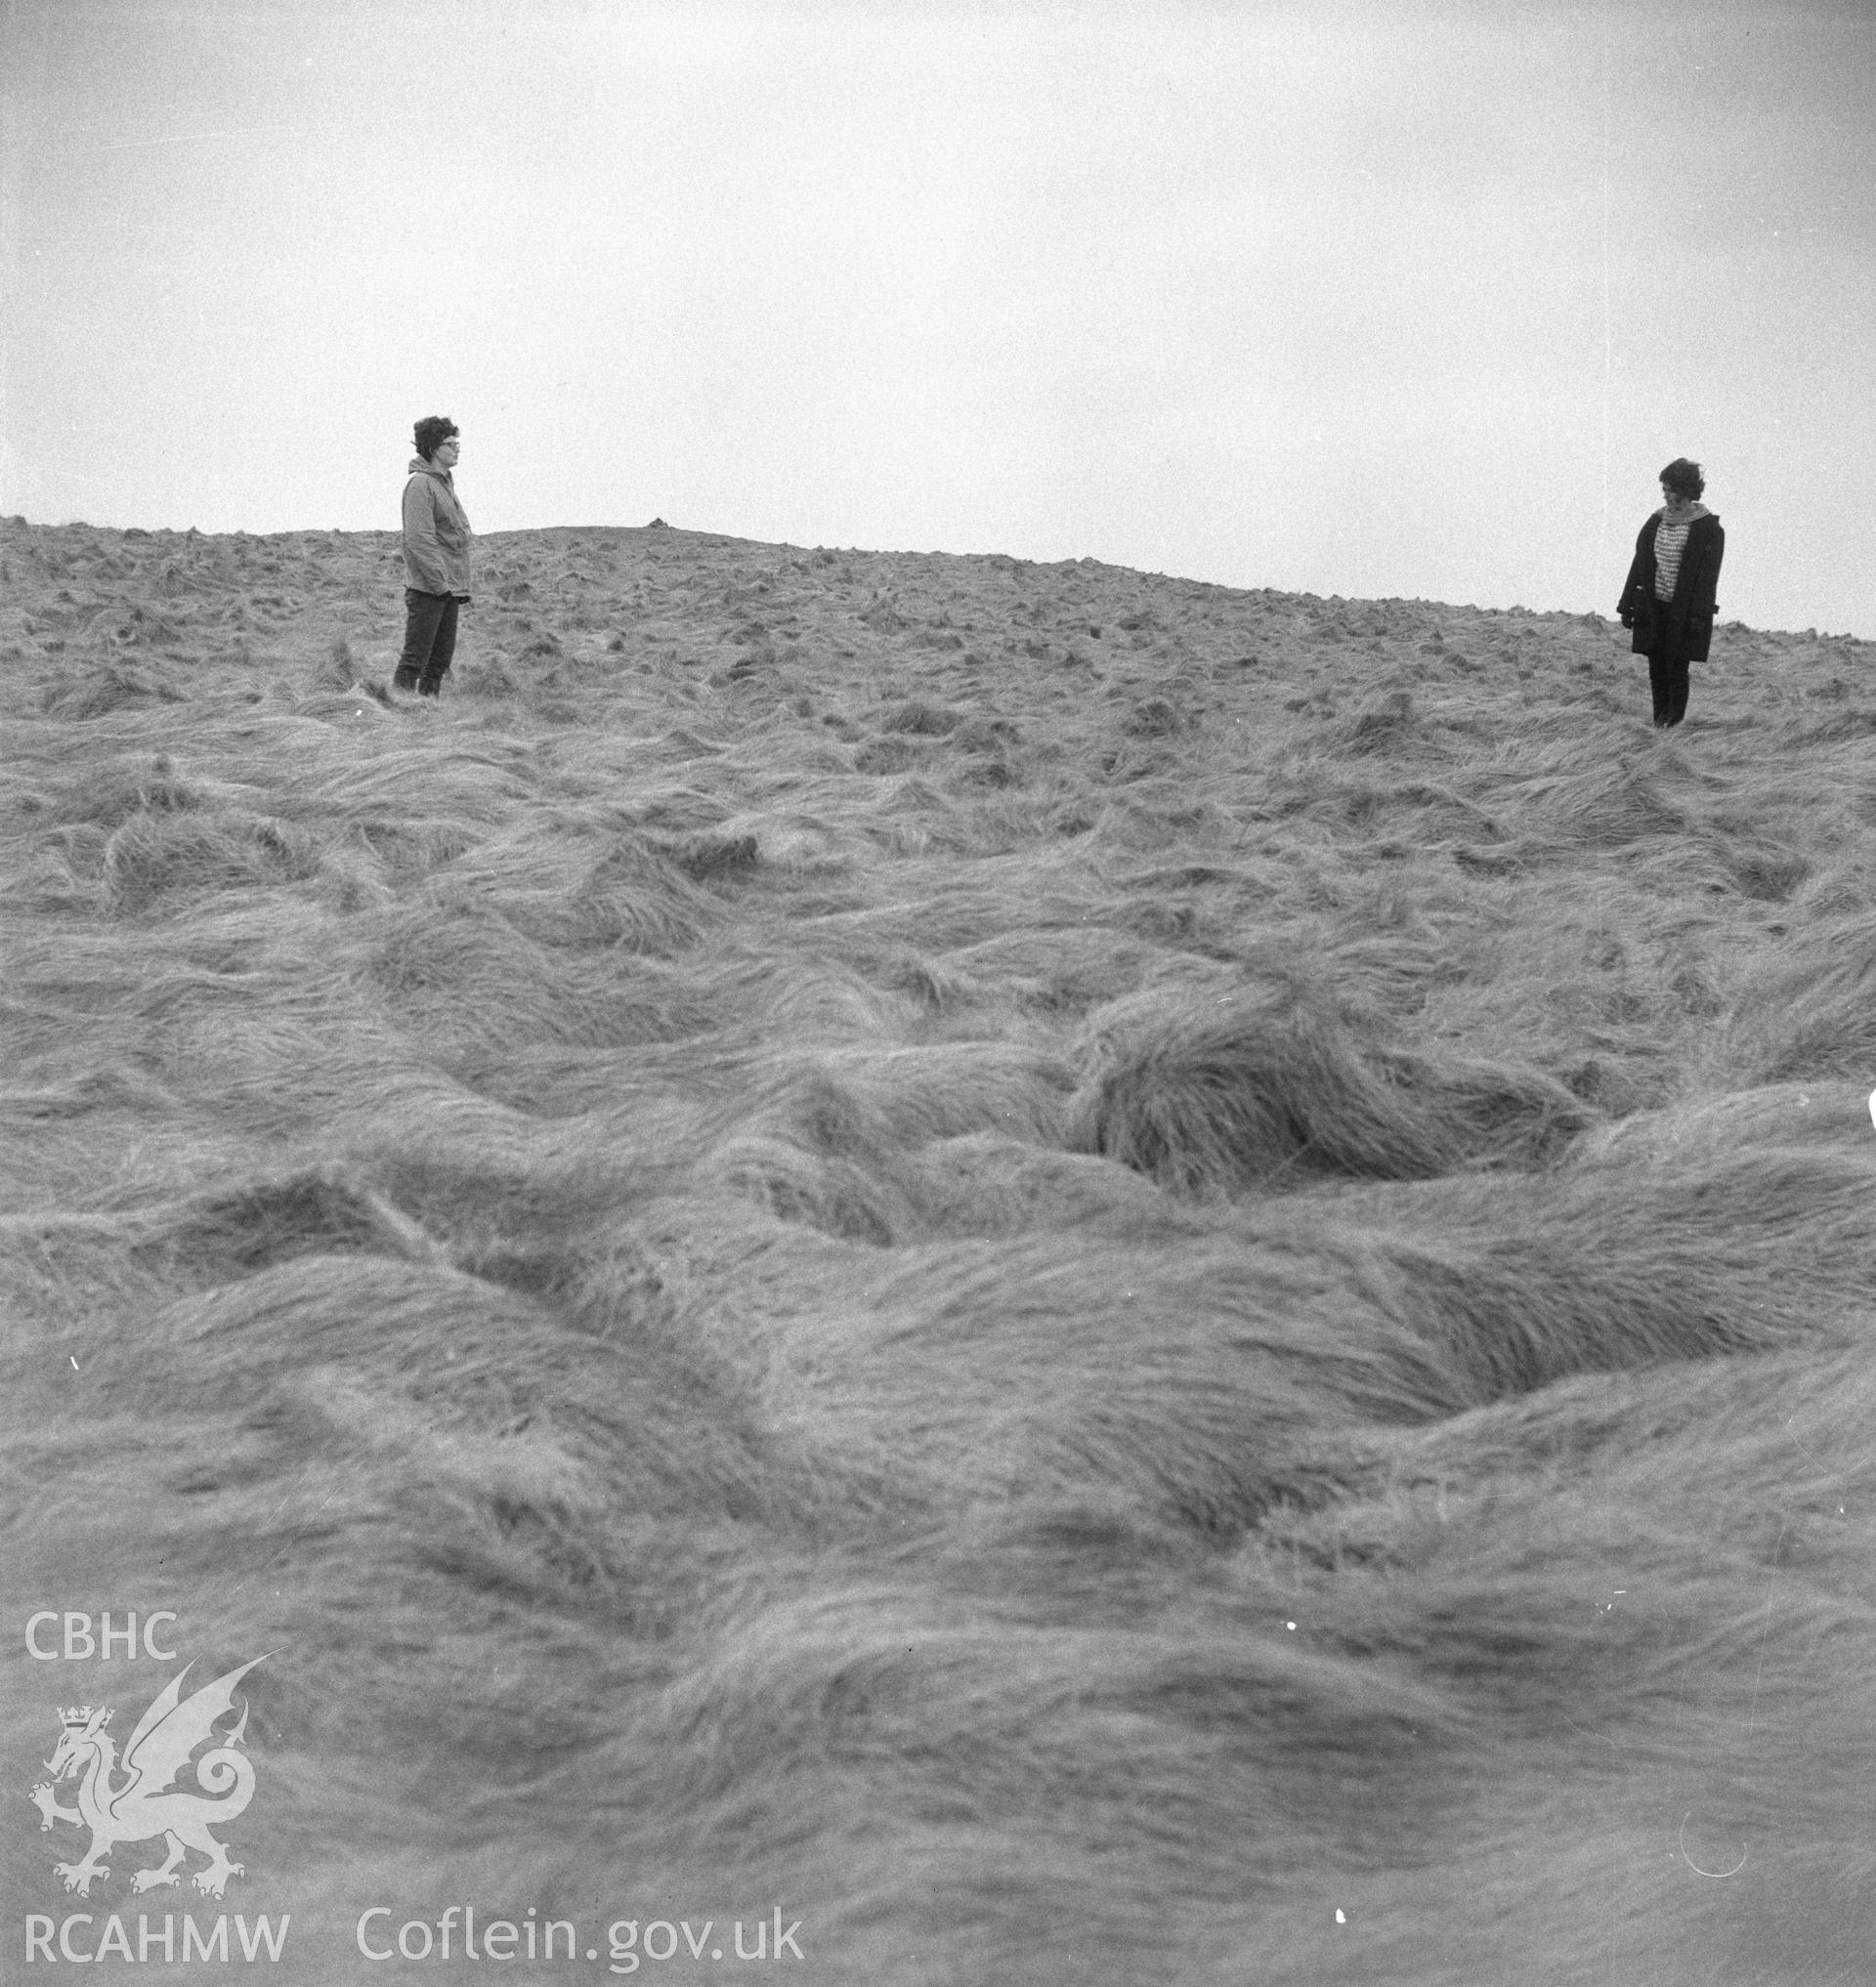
(1095, 1275)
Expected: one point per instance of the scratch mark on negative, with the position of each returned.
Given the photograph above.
(1719, 1874)
(185, 138)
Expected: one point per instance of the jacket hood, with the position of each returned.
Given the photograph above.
(419, 467)
(1699, 511)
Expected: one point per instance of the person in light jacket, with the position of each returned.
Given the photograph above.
(435, 559)
(1668, 598)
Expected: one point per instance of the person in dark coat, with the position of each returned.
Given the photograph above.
(1669, 599)
(435, 559)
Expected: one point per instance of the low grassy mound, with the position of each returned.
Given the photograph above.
(1049, 1272)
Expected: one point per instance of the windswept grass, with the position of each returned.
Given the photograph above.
(1086, 1276)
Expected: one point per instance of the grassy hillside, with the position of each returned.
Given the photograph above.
(1082, 1276)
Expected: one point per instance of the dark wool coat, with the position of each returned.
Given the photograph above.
(1680, 627)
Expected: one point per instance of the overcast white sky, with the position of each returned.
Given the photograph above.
(1407, 299)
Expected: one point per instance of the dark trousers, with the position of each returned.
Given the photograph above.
(429, 640)
(1668, 680)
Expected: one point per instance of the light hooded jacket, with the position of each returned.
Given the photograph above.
(436, 532)
(1684, 625)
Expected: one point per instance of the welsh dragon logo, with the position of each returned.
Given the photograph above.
(147, 1804)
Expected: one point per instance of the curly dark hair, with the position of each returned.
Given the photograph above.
(432, 432)
(1684, 478)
